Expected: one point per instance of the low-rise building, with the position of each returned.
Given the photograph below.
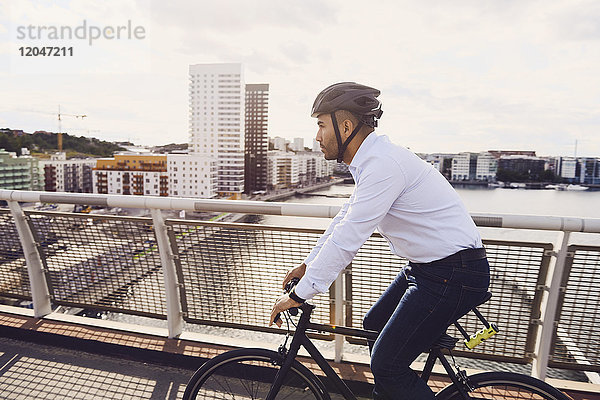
(589, 170)
(132, 174)
(19, 173)
(62, 175)
(313, 167)
(297, 144)
(464, 167)
(487, 166)
(192, 175)
(520, 168)
(283, 170)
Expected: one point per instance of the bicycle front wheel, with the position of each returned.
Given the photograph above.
(504, 385)
(248, 374)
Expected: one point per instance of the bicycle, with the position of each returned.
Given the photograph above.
(255, 373)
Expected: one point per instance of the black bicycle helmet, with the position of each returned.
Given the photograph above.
(359, 99)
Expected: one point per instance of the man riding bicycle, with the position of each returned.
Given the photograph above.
(423, 219)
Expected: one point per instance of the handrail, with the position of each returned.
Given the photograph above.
(513, 221)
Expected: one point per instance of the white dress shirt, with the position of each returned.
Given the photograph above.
(409, 202)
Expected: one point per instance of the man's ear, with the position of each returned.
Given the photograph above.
(348, 126)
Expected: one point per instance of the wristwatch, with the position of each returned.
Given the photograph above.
(295, 297)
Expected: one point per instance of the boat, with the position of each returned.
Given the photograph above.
(555, 187)
(576, 187)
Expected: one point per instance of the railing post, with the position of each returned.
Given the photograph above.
(174, 311)
(339, 316)
(549, 307)
(35, 269)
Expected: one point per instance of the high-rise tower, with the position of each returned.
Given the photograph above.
(257, 103)
(217, 95)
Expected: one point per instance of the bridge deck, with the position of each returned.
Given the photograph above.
(49, 358)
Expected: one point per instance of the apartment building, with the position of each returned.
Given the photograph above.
(132, 174)
(217, 99)
(256, 140)
(62, 175)
(192, 175)
(283, 170)
(464, 167)
(19, 173)
(487, 167)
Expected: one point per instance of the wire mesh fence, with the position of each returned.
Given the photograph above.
(576, 339)
(233, 273)
(14, 280)
(516, 272)
(102, 262)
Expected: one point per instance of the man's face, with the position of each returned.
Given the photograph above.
(326, 137)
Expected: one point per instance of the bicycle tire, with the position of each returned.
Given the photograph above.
(248, 374)
(504, 385)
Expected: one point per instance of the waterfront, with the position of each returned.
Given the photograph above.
(477, 200)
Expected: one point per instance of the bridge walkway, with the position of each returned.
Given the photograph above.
(58, 357)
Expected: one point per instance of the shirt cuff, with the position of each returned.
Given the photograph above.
(305, 290)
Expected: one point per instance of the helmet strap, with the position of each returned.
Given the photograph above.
(342, 147)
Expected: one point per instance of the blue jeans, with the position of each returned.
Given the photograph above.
(412, 313)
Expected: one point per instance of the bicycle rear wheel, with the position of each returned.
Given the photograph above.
(248, 374)
(504, 385)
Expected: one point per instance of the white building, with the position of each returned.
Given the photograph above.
(279, 143)
(436, 160)
(288, 169)
(464, 166)
(283, 170)
(297, 144)
(192, 175)
(324, 167)
(487, 166)
(217, 97)
(568, 167)
(316, 146)
(62, 175)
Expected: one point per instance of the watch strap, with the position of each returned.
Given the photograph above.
(295, 297)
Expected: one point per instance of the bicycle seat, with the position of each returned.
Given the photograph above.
(445, 341)
(488, 296)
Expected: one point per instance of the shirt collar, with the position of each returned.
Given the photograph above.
(363, 150)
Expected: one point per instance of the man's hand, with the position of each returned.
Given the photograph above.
(283, 303)
(297, 272)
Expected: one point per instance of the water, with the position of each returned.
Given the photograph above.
(583, 204)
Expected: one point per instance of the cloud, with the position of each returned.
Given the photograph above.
(460, 75)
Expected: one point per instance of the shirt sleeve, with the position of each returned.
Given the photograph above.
(378, 186)
(339, 216)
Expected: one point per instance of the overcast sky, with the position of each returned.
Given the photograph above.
(454, 75)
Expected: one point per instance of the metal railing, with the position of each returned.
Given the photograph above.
(546, 296)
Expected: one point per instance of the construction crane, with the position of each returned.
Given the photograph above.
(82, 116)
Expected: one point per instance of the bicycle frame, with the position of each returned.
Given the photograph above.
(301, 339)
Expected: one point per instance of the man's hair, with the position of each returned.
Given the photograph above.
(342, 115)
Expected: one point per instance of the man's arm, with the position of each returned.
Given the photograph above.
(380, 184)
(339, 216)
(298, 272)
